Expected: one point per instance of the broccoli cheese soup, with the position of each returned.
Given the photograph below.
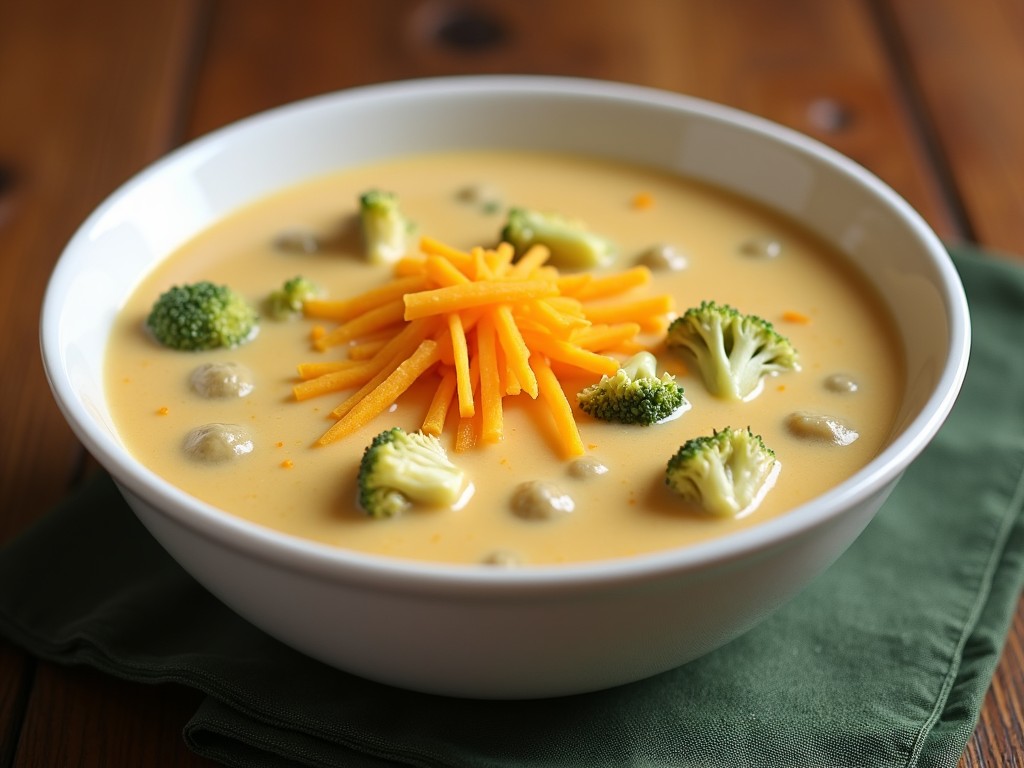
(551, 481)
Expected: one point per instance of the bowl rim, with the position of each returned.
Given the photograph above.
(332, 563)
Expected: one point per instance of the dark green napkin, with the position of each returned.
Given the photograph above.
(883, 661)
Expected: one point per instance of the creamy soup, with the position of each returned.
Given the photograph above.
(734, 252)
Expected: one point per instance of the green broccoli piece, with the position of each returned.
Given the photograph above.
(572, 246)
(401, 468)
(202, 316)
(733, 351)
(727, 473)
(634, 395)
(287, 301)
(386, 230)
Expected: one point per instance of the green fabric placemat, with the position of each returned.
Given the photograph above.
(883, 661)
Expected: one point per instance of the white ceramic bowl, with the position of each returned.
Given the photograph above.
(496, 633)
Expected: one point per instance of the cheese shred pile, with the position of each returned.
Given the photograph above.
(488, 326)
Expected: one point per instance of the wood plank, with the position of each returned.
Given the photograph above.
(90, 95)
(97, 104)
(85, 718)
(969, 66)
(16, 672)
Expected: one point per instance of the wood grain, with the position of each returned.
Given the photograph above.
(89, 93)
(97, 101)
(16, 672)
(82, 717)
(927, 96)
(969, 71)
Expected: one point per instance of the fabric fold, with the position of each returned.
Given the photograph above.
(883, 661)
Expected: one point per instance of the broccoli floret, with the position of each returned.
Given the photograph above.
(386, 229)
(287, 301)
(733, 351)
(572, 246)
(402, 468)
(726, 473)
(634, 395)
(201, 316)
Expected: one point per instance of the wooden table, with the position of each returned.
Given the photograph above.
(927, 94)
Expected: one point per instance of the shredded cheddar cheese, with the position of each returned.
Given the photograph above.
(488, 326)
(643, 200)
(792, 316)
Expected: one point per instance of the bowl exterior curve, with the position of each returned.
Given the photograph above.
(509, 644)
